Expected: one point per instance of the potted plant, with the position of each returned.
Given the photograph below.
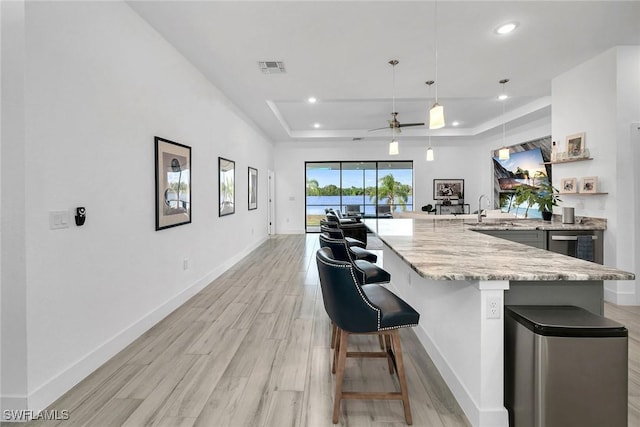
(546, 197)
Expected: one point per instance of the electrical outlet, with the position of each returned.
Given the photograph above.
(185, 264)
(494, 307)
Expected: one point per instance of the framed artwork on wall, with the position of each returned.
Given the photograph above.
(568, 185)
(589, 184)
(227, 186)
(575, 145)
(448, 189)
(173, 183)
(253, 188)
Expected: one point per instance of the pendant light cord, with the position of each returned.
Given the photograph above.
(435, 25)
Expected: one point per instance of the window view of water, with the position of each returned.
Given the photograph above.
(368, 188)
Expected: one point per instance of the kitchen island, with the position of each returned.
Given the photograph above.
(459, 280)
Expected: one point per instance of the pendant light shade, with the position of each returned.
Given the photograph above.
(436, 113)
(503, 153)
(436, 117)
(393, 148)
(430, 154)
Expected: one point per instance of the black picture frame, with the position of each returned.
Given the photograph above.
(252, 181)
(172, 183)
(226, 186)
(448, 189)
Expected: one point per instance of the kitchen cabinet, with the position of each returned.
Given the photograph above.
(535, 238)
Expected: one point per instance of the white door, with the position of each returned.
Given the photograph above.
(271, 198)
(635, 147)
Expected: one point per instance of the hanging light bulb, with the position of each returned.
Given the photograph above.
(436, 113)
(503, 153)
(430, 157)
(393, 148)
(430, 154)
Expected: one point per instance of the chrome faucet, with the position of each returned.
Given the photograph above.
(480, 207)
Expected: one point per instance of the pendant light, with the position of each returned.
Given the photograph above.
(503, 153)
(430, 157)
(436, 113)
(393, 145)
(430, 151)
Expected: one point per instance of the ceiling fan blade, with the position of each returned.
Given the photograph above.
(374, 130)
(404, 125)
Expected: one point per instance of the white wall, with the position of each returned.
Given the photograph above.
(99, 85)
(467, 158)
(600, 98)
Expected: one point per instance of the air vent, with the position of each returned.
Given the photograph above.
(272, 67)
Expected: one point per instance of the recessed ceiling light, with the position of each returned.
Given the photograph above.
(455, 123)
(506, 28)
(316, 125)
(312, 100)
(503, 97)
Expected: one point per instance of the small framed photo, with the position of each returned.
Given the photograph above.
(448, 189)
(173, 183)
(568, 185)
(589, 184)
(227, 188)
(253, 188)
(575, 145)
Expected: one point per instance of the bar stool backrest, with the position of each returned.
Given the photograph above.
(344, 301)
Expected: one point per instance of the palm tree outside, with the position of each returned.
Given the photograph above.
(396, 193)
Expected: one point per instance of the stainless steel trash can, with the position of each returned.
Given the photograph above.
(564, 366)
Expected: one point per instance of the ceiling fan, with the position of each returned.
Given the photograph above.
(394, 124)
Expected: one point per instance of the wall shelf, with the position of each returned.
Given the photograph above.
(580, 159)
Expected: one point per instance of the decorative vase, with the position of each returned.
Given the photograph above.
(546, 215)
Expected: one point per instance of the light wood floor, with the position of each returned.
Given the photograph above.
(252, 349)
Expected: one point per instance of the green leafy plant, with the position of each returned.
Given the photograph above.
(546, 197)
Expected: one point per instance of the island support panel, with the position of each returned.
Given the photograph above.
(466, 346)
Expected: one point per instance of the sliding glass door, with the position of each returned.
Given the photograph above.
(370, 189)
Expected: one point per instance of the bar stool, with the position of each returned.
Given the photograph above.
(368, 272)
(336, 233)
(363, 309)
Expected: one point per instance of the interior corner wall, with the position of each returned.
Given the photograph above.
(100, 83)
(603, 110)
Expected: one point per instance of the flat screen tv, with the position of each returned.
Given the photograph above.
(521, 168)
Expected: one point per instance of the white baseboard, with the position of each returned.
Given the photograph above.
(620, 298)
(55, 387)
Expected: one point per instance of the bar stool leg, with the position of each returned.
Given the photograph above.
(341, 349)
(389, 348)
(339, 333)
(334, 329)
(395, 336)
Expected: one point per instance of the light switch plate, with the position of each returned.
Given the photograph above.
(58, 220)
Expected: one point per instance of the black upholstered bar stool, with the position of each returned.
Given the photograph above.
(337, 233)
(363, 309)
(355, 252)
(368, 272)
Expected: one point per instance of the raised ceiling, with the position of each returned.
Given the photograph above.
(338, 52)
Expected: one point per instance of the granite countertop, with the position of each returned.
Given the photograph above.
(441, 249)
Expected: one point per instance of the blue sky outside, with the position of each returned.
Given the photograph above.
(353, 178)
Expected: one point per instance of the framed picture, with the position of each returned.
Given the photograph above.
(253, 188)
(589, 184)
(173, 183)
(568, 185)
(227, 188)
(575, 145)
(448, 189)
